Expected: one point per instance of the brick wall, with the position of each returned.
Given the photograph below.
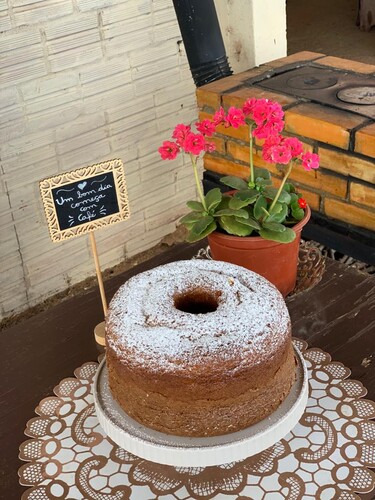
(344, 186)
(83, 81)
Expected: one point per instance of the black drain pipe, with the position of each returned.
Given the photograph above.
(202, 38)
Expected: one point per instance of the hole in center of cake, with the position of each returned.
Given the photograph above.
(197, 301)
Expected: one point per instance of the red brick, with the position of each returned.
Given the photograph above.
(349, 213)
(294, 58)
(347, 64)
(362, 194)
(347, 164)
(328, 125)
(210, 94)
(365, 141)
(313, 199)
(207, 98)
(224, 166)
(251, 73)
(239, 96)
(223, 84)
(238, 151)
(203, 115)
(219, 144)
(320, 181)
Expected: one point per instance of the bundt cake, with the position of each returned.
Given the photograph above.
(199, 348)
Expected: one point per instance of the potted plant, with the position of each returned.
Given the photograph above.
(256, 225)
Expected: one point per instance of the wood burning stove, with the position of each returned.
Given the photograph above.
(339, 89)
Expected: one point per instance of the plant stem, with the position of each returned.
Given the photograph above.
(251, 160)
(281, 186)
(197, 181)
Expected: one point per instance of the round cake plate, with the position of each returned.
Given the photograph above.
(188, 452)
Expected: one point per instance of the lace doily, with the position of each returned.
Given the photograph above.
(326, 456)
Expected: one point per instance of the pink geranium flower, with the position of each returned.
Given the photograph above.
(280, 154)
(248, 107)
(219, 116)
(209, 147)
(310, 160)
(266, 154)
(270, 142)
(194, 143)
(206, 127)
(295, 145)
(169, 150)
(180, 132)
(262, 132)
(267, 115)
(276, 112)
(261, 111)
(268, 129)
(234, 118)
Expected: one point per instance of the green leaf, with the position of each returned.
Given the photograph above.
(261, 172)
(249, 222)
(192, 237)
(262, 182)
(289, 188)
(279, 213)
(191, 218)
(242, 214)
(271, 193)
(224, 202)
(284, 197)
(260, 204)
(234, 182)
(293, 198)
(213, 198)
(274, 226)
(195, 205)
(236, 204)
(297, 212)
(233, 226)
(202, 224)
(286, 236)
(243, 198)
(276, 208)
(246, 194)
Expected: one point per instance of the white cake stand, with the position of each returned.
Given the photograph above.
(198, 452)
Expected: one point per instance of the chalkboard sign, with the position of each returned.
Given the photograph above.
(85, 199)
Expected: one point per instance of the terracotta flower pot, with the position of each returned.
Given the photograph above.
(277, 262)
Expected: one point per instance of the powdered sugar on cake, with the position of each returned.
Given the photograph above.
(145, 328)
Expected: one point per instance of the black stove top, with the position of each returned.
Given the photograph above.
(340, 89)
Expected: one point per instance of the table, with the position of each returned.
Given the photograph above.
(338, 315)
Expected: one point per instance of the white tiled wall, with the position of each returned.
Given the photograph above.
(83, 81)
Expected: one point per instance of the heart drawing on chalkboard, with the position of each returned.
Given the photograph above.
(82, 185)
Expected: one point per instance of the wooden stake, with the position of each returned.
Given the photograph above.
(98, 273)
(99, 330)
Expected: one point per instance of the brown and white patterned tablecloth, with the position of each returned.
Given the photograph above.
(326, 456)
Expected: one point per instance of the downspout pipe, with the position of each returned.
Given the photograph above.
(203, 41)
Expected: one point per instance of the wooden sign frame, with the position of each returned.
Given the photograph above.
(47, 185)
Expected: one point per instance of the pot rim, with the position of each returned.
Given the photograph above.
(257, 239)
